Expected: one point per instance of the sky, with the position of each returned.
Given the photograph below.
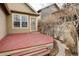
(38, 6)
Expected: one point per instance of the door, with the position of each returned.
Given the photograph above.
(33, 24)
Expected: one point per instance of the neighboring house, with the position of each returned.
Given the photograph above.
(17, 18)
(63, 15)
(45, 12)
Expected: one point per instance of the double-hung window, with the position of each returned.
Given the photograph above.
(20, 21)
(24, 21)
(16, 21)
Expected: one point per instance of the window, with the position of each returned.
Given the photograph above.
(68, 18)
(33, 24)
(16, 21)
(24, 21)
(20, 21)
(75, 17)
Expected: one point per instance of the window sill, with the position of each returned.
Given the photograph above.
(20, 28)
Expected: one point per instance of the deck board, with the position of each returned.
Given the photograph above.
(18, 41)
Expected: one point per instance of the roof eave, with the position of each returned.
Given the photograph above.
(36, 14)
(48, 6)
(31, 7)
(5, 8)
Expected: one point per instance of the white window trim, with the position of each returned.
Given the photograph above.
(36, 23)
(20, 22)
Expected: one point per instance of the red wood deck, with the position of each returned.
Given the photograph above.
(18, 41)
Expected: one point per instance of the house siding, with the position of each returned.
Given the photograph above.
(2, 24)
(20, 7)
(23, 8)
(20, 30)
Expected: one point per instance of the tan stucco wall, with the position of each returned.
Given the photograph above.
(2, 24)
(21, 30)
(19, 7)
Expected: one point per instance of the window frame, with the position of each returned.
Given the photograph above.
(20, 22)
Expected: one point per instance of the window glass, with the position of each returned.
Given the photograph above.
(33, 24)
(16, 21)
(24, 21)
(75, 17)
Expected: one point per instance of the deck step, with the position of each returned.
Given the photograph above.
(43, 53)
(27, 52)
(25, 49)
(36, 53)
